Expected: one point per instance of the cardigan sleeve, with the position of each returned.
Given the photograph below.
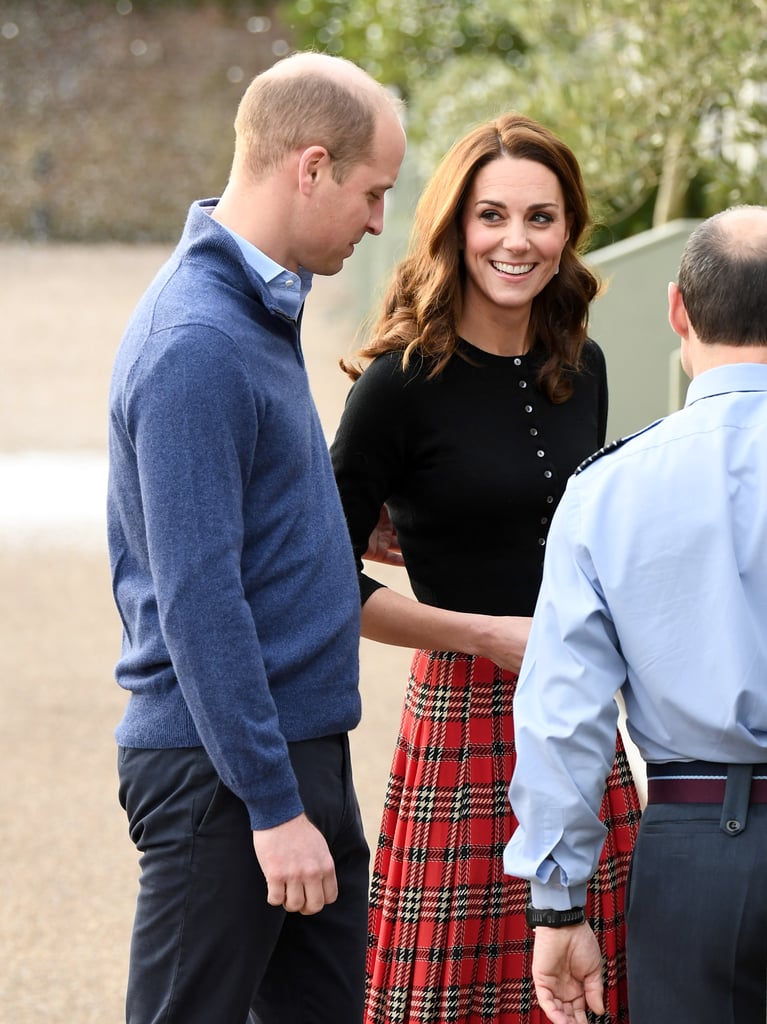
(368, 452)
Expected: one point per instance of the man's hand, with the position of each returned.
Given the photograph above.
(299, 870)
(383, 545)
(567, 973)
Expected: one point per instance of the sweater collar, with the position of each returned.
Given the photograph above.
(287, 289)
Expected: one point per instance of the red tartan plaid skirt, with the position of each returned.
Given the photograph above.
(448, 942)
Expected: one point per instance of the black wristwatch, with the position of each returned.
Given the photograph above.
(554, 918)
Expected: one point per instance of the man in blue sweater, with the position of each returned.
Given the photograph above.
(235, 581)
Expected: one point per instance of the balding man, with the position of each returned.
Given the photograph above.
(235, 581)
(655, 583)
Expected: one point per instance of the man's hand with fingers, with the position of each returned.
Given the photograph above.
(567, 973)
(296, 862)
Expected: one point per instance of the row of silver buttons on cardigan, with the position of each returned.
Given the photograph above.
(541, 454)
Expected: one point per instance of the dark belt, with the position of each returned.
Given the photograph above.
(698, 782)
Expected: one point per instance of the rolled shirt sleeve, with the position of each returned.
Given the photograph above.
(565, 721)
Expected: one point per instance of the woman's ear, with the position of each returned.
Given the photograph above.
(569, 223)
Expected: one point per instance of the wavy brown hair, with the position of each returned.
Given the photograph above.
(422, 304)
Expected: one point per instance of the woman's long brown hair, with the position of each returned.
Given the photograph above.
(422, 303)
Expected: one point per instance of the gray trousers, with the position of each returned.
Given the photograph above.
(206, 946)
(696, 913)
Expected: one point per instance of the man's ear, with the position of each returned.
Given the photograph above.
(677, 314)
(312, 162)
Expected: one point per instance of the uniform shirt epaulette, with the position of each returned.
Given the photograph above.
(613, 446)
(604, 450)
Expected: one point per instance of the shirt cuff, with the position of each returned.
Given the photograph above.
(557, 897)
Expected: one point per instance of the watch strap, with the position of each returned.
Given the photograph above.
(554, 918)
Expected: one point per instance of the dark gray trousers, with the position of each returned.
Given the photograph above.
(206, 946)
(696, 915)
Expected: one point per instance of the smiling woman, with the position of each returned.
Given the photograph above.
(514, 229)
(482, 395)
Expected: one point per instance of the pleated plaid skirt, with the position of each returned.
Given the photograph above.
(448, 942)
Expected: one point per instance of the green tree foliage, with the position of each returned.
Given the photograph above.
(401, 42)
(662, 100)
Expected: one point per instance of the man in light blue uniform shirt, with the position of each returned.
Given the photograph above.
(655, 583)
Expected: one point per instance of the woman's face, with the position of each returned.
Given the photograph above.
(514, 227)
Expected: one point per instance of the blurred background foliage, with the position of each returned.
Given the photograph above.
(114, 115)
(663, 101)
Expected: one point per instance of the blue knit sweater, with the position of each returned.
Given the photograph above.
(232, 567)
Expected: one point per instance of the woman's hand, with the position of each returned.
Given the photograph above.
(392, 618)
(383, 545)
(503, 639)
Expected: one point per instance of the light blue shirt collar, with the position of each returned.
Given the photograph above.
(730, 377)
(288, 289)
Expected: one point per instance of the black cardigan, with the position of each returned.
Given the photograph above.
(471, 465)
